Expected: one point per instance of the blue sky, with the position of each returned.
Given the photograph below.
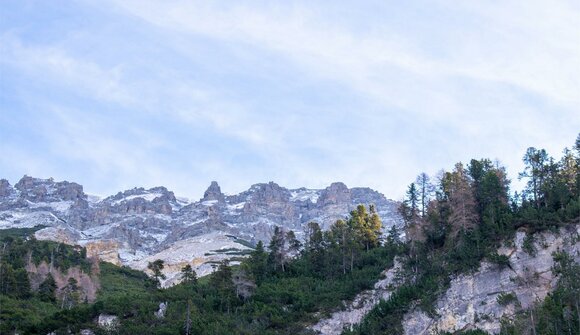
(115, 94)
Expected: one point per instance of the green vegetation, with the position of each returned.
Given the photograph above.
(451, 224)
(276, 292)
(506, 298)
(464, 217)
(19, 232)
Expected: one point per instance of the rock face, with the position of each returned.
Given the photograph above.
(360, 306)
(134, 225)
(88, 285)
(471, 301)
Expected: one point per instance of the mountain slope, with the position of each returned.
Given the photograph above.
(139, 225)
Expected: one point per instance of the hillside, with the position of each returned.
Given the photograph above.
(476, 259)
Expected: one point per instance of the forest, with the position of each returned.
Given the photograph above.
(453, 221)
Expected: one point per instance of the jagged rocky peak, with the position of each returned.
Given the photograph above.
(139, 200)
(47, 190)
(334, 194)
(165, 194)
(213, 193)
(269, 193)
(5, 188)
(153, 194)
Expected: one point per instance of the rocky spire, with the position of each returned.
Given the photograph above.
(5, 188)
(334, 194)
(213, 192)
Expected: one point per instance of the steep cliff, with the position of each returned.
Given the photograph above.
(472, 301)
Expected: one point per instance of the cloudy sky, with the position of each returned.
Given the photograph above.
(117, 94)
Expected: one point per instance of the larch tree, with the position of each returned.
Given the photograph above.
(462, 201)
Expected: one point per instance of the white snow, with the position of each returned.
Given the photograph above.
(209, 203)
(303, 195)
(183, 201)
(93, 199)
(237, 206)
(99, 231)
(23, 219)
(59, 206)
(146, 197)
(131, 256)
(235, 209)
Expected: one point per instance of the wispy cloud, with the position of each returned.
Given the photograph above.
(301, 93)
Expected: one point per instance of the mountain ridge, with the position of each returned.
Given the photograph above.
(135, 225)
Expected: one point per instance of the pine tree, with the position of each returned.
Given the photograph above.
(314, 247)
(22, 289)
(70, 294)
(343, 240)
(188, 275)
(156, 267)
(257, 262)
(46, 290)
(277, 252)
(222, 281)
(425, 190)
(535, 169)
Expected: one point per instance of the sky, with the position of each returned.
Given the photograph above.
(116, 94)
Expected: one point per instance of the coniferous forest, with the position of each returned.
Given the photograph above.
(453, 221)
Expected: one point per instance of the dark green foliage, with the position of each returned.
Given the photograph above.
(47, 289)
(289, 287)
(19, 232)
(156, 267)
(443, 245)
(188, 276)
(528, 245)
(506, 298)
(502, 261)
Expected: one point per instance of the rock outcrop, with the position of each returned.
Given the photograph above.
(355, 310)
(88, 284)
(471, 302)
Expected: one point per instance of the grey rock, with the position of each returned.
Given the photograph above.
(160, 314)
(143, 222)
(5, 188)
(213, 192)
(355, 310)
(471, 300)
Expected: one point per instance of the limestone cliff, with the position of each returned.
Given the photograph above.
(471, 302)
(355, 310)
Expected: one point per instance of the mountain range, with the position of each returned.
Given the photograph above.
(137, 226)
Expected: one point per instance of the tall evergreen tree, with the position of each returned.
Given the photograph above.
(157, 267)
(257, 262)
(70, 294)
(47, 289)
(22, 288)
(277, 252)
(188, 275)
(535, 170)
(425, 190)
